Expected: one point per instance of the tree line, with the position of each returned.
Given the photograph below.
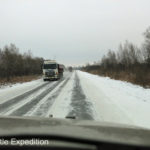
(13, 63)
(129, 63)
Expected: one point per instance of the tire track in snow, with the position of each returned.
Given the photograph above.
(81, 108)
(13, 108)
(6, 105)
(61, 105)
(26, 107)
(47, 102)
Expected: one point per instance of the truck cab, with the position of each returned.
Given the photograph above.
(50, 70)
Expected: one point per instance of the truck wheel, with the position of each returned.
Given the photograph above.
(57, 79)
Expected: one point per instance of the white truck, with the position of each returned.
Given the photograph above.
(52, 70)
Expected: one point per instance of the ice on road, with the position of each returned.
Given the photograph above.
(79, 94)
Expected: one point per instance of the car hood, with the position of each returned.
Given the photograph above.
(83, 129)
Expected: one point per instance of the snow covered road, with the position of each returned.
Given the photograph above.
(79, 94)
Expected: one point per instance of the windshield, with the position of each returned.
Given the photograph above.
(49, 66)
(81, 59)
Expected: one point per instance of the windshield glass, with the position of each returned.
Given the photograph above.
(49, 66)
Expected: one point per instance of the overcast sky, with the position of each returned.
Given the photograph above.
(72, 31)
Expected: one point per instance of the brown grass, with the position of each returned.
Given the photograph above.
(19, 79)
(142, 80)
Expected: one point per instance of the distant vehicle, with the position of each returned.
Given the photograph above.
(52, 70)
(70, 69)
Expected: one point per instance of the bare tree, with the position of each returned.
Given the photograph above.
(12, 63)
(147, 46)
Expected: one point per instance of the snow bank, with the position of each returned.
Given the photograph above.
(116, 101)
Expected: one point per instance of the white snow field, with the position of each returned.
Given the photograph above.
(104, 99)
(116, 101)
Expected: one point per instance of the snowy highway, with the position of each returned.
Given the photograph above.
(51, 97)
(80, 94)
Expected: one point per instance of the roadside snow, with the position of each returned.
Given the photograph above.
(116, 101)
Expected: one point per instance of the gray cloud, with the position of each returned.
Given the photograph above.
(72, 31)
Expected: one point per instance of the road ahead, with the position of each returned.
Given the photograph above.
(51, 97)
(80, 94)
